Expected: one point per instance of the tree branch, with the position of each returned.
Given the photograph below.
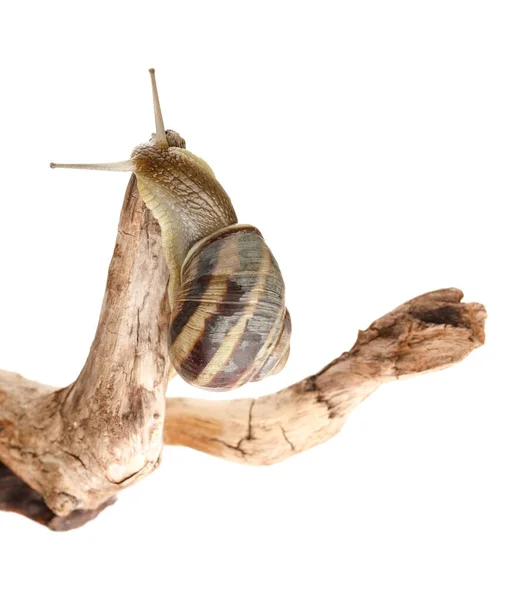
(67, 452)
(430, 332)
(79, 446)
(17, 496)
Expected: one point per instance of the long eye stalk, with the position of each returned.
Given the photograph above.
(126, 165)
(123, 165)
(160, 126)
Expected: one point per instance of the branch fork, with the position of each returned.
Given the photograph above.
(66, 453)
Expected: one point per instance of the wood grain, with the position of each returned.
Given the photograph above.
(67, 452)
(427, 333)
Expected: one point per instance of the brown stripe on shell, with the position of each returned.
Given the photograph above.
(187, 308)
(216, 327)
(229, 365)
(186, 304)
(219, 310)
(268, 352)
(202, 244)
(280, 352)
(200, 298)
(240, 360)
(238, 319)
(261, 329)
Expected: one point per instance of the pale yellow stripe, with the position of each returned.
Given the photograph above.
(281, 360)
(223, 354)
(194, 329)
(263, 354)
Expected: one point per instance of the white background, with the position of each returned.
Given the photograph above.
(373, 143)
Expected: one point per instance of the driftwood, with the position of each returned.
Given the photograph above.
(66, 453)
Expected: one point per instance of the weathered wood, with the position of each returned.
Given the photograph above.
(76, 447)
(16, 496)
(80, 445)
(430, 332)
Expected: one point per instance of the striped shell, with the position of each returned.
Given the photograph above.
(229, 321)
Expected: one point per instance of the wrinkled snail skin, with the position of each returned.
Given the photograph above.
(184, 195)
(229, 322)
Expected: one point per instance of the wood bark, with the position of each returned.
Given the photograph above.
(67, 452)
(80, 445)
(427, 333)
(17, 496)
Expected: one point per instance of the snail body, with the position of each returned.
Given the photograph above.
(229, 321)
(184, 196)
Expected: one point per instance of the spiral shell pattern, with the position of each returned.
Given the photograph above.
(229, 320)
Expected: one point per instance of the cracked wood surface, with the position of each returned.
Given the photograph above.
(17, 496)
(430, 332)
(76, 447)
(80, 445)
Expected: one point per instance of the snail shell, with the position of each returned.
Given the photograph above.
(229, 321)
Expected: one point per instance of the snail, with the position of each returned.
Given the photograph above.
(229, 323)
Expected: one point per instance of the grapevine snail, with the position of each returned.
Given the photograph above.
(229, 323)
